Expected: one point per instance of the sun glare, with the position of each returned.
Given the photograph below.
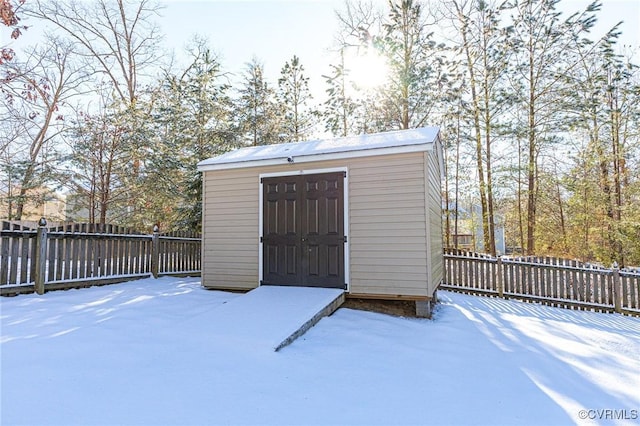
(366, 70)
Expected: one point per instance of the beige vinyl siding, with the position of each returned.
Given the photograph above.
(230, 229)
(434, 219)
(387, 227)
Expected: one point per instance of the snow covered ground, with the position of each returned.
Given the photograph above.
(141, 353)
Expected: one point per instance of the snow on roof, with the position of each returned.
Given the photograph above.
(411, 140)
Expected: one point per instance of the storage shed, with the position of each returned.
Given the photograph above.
(359, 213)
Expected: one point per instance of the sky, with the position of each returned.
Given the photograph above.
(271, 31)
(275, 30)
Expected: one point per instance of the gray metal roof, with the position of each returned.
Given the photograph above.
(411, 140)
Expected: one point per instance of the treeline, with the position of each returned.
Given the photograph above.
(539, 120)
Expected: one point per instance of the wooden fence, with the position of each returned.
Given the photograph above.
(80, 255)
(554, 281)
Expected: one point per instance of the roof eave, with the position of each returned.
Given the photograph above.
(421, 147)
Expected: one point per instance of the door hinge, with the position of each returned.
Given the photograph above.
(344, 174)
(261, 180)
(345, 239)
(261, 240)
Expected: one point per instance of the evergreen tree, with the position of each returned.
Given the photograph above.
(193, 119)
(294, 97)
(482, 46)
(259, 115)
(416, 64)
(338, 108)
(409, 96)
(543, 47)
(99, 165)
(350, 108)
(604, 114)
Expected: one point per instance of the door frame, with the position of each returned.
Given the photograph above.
(345, 204)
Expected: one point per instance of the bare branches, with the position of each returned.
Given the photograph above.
(116, 39)
(35, 91)
(358, 21)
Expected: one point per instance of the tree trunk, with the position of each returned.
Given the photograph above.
(531, 190)
(490, 236)
(457, 183)
(531, 164)
(24, 188)
(615, 196)
(519, 199)
(477, 129)
(563, 228)
(447, 209)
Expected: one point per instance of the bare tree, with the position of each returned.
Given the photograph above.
(118, 41)
(35, 91)
(116, 38)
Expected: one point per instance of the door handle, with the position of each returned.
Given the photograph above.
(304, 239)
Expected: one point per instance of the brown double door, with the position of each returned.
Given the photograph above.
(303, 230)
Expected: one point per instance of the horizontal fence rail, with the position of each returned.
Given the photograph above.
(77, 255)
(559, 282)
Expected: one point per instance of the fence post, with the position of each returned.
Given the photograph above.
(41, 256)
(498, 278)
(155, 251)
(617, 288)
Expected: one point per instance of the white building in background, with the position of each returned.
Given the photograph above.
(52, 206)
(470, 234)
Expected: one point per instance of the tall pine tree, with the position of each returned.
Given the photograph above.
(294, 97)
(258, 114)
